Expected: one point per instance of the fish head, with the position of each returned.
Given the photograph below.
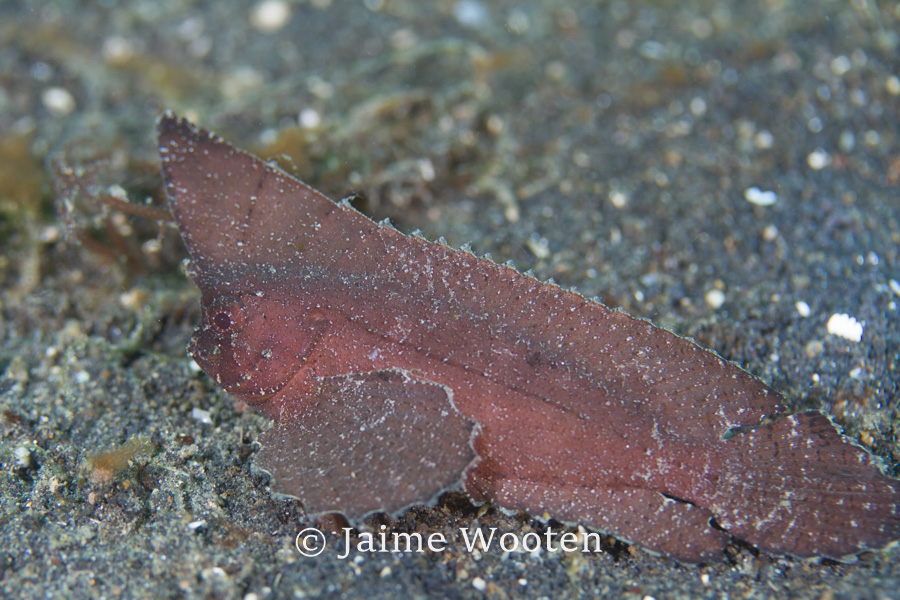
(250, 345)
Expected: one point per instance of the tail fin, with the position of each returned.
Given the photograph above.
(798, 487)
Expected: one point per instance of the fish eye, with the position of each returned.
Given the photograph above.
(226, 314)
(222, 321)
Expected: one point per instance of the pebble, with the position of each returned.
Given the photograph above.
(618, 199)
(892, 85)
(23, 457)
(118, 50)
(764, 139)
(715, 298)
(270, 16)
(58, 100)
(845, 326)
(198, 414)
(759, 197)
(895, 286)
(470, 13)
(818, 159)
(309, 118)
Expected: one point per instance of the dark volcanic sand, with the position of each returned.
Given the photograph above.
(608, 146)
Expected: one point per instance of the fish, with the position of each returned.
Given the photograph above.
(396, 369)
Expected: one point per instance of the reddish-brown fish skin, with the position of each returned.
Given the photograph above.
(395, 369)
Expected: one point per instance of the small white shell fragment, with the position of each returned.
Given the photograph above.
(23, 456)
(892, 85)
(118, 50)
(895, 286)
(845, 326)
(198, 414)
(840, 65)
(58, 100)
(426, 169)
(818, 159)
(803, 308)
(698, 107)
(618, 198)
(470, 13)
(309, 118)
(539, 246)
(270, 15)
(715, 298)
(759, 197)
(764, 139)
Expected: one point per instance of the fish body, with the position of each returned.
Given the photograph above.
(395, 368)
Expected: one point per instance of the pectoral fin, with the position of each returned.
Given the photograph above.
(369, 442)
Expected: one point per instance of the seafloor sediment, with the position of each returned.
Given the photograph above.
(728, 170)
